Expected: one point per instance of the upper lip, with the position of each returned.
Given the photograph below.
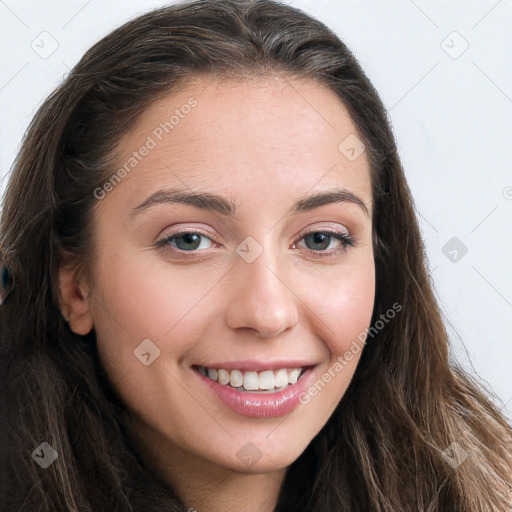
(257, 366)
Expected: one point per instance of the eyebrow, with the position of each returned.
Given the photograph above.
(223, 206)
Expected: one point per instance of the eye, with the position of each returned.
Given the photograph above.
(324, 241)
(185, 241)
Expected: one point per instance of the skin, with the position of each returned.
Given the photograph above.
(262, 143)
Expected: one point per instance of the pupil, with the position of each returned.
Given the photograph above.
(189, 239)
(319, 238)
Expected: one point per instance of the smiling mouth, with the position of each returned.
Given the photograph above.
(268, 381)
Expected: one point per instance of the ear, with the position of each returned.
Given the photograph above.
(74, 300)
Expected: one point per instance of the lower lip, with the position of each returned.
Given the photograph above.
(260, 405)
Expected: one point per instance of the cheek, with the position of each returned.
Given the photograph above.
(344, 315)
(343, 306)
(134, 300)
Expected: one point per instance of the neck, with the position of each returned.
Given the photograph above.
(203, 485)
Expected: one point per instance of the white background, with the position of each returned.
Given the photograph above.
(451, 112)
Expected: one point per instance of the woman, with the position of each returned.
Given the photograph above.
(217, 290)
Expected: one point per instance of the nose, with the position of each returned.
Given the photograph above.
(261, 300)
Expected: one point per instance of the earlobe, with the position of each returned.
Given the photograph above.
(74, 301)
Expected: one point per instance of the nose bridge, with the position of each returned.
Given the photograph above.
(261, 298)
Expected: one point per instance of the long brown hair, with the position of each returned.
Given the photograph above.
(413, 431)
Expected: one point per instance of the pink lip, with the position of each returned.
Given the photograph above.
(260, 405)
(257, 366)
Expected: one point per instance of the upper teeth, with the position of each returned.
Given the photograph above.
(268, 380)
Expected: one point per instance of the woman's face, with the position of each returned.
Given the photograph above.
(237, 244)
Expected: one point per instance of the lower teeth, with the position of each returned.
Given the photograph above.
(273, 390)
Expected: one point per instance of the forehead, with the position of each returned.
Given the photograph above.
(259, 134)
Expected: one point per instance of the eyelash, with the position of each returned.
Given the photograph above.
(345, 239)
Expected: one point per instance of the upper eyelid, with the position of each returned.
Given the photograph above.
(184, 231)
(304, 231)
(180, 232)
